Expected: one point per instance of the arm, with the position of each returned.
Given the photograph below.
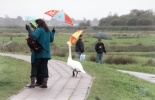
(36, 34)
(81, 46)
(28, 30)
(96, 48)
(51, 36)
(104, 49)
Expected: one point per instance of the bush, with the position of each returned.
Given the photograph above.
(59, 52)
(14, 47)
(131, 48)
(120, 60)
(150, 62)
(92, 58)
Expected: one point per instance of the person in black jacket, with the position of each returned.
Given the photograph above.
(99, 48)
(79, 47)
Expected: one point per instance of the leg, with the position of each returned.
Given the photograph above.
(76, 73)
(78, 55)
(44, 85)
(39, 78)
(44, 68)
(101, 59)
(73, 73)
(32, 85)
(44, 71)
(34, 69)
(97, 58)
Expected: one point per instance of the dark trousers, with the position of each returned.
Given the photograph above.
(39, 68)
(39, 77)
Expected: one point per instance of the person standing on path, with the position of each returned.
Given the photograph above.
(40, 59)
(99, 48)
(79, 47)
(39, 79)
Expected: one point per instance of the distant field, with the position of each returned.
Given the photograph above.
(138, 45)
(122, 41)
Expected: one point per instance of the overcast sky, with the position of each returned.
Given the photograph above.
(77, 9)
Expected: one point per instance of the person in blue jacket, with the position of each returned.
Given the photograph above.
(40, 59)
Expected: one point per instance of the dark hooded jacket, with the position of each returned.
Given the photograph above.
(99, 47)
(79, 47)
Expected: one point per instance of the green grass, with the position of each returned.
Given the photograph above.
(14, 39)
(14, 75)
(109, 84)
(146, 38)
(112, 85)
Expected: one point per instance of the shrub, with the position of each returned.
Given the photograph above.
(131, 48)
(14, 47)
(89, 48)
(119, 60)
(59, 52)
(150, 62)
(92, 58)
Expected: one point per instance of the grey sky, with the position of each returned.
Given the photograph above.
(77, 9)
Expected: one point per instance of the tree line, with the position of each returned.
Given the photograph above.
(134, 18)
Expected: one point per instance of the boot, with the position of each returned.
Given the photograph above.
(44, 85)
(39, 81)
(32, 85)
(36, 84)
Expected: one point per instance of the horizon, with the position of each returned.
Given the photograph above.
(7, 16)
(75, 9)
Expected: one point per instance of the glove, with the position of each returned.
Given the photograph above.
(27, 27)
(53, 30)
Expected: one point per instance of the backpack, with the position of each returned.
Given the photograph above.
(34, 44)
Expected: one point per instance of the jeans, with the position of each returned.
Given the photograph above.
(99, 58)
(41, 64)
(78, 54)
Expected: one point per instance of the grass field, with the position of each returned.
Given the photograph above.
(14, 75)
(108, 84)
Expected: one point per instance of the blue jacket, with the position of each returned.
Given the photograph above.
(44, 38)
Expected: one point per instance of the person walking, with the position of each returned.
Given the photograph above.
(99, 48)
(79, 46)
(40, 59)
